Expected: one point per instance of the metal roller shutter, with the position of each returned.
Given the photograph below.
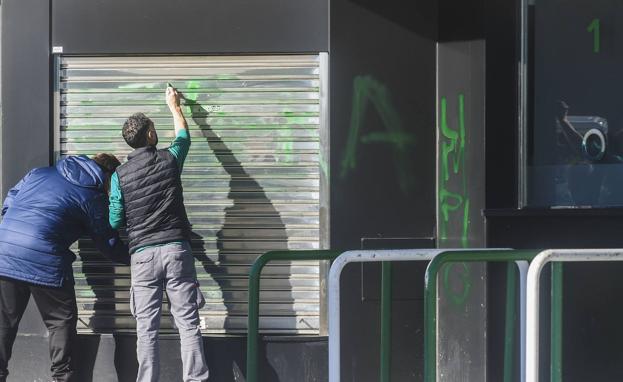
(252, 180)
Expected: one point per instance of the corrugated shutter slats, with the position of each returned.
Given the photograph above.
(251, 180)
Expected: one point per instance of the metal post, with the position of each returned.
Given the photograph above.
(532, 303)
(254, 297)
(253, 324)
(556, 324)
(509, 327)
(511, 319)
(430, 294)
(386, 322)
(523, 280)
(334, 291)
(325, 185)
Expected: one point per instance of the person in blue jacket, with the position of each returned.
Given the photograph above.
(43, 215)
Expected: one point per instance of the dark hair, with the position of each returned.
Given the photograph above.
(135, 130)
(107, 162)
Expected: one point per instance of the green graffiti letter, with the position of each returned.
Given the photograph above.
(367, 90)
(595, 28)
(452, 158)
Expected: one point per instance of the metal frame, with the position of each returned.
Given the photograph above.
(334, 297)
(325, 183)
(437, 154)
(254, 297)
(522, 105)
(56, 110)
(430, 295)
(532, 308)
(1, 162)
(320, 65)
(509, 330)
(523, 281)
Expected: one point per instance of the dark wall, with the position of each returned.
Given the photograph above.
(382, 167)
(501, 110)
(25, 88)
(591, 339)
(501, 154)
(190, 26)
(461, 20)
(382, 120)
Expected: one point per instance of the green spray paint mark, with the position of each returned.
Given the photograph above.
(192, 108)
(459, 292)
(454, 200)
(452, 167)
(324, 167)
(287, 145)
(191, 85)
(226, 77)
(141, 86)
(367, 90)
(595, 28)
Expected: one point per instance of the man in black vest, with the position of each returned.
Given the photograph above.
(146, 195)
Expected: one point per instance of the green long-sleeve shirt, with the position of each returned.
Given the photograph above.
(179, 149)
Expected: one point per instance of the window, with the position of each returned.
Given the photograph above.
(573, 141)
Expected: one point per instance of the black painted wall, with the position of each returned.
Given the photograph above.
(382, 168)
(592, 338)
(190, 26)
(25, 88)
(382, 103)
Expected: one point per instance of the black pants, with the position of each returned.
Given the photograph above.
(59, 312)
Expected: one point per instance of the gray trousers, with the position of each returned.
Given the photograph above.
(170, 266)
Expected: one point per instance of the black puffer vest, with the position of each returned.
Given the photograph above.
(154, 203)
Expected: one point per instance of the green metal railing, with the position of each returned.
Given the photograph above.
(430, 298)
(509, 327)
(386, 321)
(254, 297)
(556, 323)
(386, 258)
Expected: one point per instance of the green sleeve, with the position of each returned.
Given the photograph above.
(116, 215)
(180, 146)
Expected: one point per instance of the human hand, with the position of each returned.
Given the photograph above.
(172, 99)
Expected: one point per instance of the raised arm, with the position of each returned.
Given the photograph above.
(173, 102)
(181, 144)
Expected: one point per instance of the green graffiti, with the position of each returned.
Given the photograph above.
(142, 86)
(460, 289)
(452, 157)
(324, 167)
(595, 28)
(226, 77)
(367, 90)
(287, 145)
(192, 85)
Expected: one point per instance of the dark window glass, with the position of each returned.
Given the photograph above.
(575, 103)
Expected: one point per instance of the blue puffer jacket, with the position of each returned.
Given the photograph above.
(46, 212)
